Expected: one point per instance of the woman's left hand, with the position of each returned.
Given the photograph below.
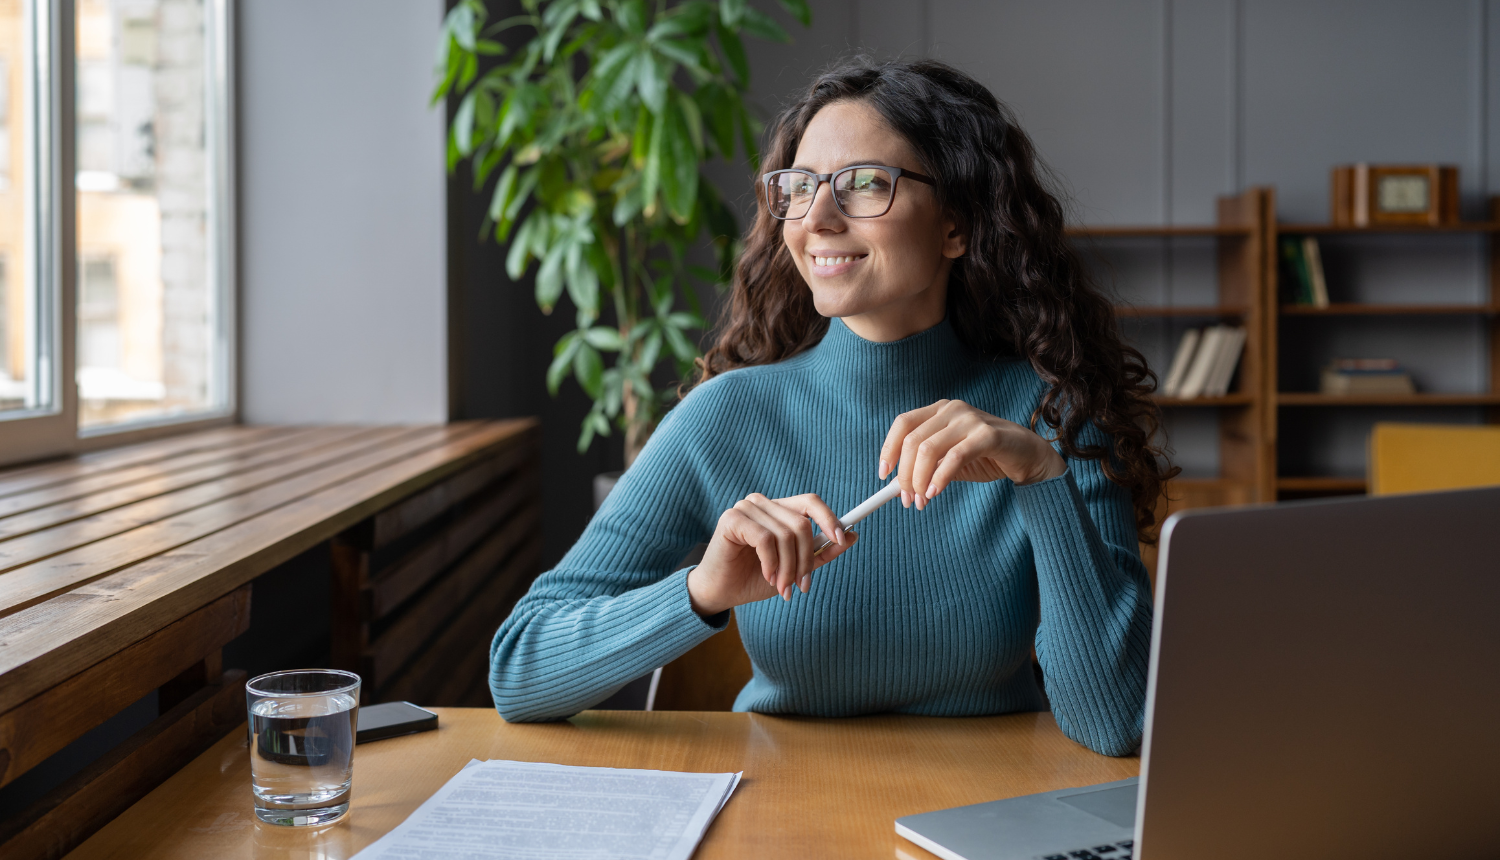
(952, 441)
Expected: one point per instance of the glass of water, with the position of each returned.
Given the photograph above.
(302, 727)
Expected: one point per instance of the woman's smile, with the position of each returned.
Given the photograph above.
(827, 263)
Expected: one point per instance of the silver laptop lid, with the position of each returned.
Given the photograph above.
(1325, 682)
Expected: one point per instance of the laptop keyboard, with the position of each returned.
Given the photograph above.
(1116, 851)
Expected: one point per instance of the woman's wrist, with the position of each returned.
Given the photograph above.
(1047, 466)
(703, 602)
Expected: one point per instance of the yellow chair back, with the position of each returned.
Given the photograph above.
(1415, 458)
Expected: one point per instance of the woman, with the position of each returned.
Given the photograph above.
(919, 314)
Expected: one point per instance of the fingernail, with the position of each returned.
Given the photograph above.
(905, 499)
(806, 581)
(931, 490)
(884, 467)
(838, 536)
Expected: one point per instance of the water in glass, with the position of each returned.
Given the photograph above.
(302, 728)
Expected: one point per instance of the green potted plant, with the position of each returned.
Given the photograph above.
(587, 132)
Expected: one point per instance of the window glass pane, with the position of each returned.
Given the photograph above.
(24, 334)
(146, 339)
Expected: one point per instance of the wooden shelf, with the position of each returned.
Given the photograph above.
(1147, 232)
(1363, 309)
(1204, 311)
(1313, 398)
(1226, 400)
(1332, 230)
(1320, 485)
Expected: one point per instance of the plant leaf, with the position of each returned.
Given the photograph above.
(758, 23)
(588, 367)
(549, 278)
(651, 175)
(731, 11)
(678, 165)
(519, 254)
(682, 348)
(503, 190)
(800, 10)
(651, 350)
(605, 338)
(651, 80)
(734, 51)
(562, 360)
(463, 123)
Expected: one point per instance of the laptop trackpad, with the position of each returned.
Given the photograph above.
(1115, 805)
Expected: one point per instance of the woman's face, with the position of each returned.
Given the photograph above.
(886, 277)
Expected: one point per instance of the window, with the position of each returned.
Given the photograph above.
(144, 268)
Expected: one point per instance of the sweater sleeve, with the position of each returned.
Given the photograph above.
(1094, 639)
(613, 609)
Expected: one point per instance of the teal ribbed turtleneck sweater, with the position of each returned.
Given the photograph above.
(931, 612)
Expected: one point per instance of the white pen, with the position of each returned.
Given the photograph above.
(865, 508)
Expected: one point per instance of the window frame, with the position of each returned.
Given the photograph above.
(52, 28)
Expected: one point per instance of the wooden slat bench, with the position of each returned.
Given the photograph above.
(127, 571)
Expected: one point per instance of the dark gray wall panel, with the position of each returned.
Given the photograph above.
(1085, 79)
(1330, 82)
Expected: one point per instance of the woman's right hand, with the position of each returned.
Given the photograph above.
(761, 548)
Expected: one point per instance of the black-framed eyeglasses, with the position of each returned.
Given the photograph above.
(859, 191)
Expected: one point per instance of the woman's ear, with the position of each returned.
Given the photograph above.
(955, 240)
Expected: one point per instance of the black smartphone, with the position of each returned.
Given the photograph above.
(389, 719)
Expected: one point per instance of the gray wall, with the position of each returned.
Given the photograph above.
(342, 212)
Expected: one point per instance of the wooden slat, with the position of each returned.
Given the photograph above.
(411, 631)
(68, 815)
(395, 585)
(300, 446)
(34, 583)
(47, 723)
(401, 519)
(23, 478)
(469, 631)
(33, 548)
(55, 639)
(88, 484)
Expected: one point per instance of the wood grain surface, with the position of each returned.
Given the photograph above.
(177, 524)
(812, 787)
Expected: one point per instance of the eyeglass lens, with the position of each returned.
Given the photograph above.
(860, 192)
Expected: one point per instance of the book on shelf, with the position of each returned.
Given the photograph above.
(1302, 272)
(1205, 362)
(1366, 376)
(1312, 258)
(1180, 361)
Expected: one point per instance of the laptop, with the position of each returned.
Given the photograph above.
(1324, 683)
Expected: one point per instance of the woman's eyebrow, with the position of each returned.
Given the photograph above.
(856, 162)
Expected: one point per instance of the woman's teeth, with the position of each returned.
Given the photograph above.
(834, 261)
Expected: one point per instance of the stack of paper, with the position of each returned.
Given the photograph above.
(515, 809)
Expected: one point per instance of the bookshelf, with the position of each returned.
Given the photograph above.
(1398, 322)
(1263, 422)
(1238, 420)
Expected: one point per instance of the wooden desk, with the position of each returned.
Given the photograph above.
(812, 788)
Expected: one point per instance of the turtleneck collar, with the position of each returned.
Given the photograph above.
(927, 361)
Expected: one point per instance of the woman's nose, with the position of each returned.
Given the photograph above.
(824, 214)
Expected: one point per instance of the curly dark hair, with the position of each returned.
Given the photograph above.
(1020, 290)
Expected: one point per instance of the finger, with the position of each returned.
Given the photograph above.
(795, 517)
(812, 506)
(890, 452)
(747, 528)
(784, 525)
(909, 448)
(953, 464)
(833, 550)
(933, 450)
